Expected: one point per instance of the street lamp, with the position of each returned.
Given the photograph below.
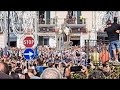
(8, 42)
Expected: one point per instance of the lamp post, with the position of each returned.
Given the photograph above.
(8, 42)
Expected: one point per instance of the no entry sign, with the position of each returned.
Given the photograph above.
(28, 41)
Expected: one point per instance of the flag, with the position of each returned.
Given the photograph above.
(36, 52)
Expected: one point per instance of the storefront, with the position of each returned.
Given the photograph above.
(46, 38)
(13, 40)
(75, 40)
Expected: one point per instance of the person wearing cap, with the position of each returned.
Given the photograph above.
(113, 31)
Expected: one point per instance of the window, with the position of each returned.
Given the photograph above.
(44, 17)
(46, 41)
(47, 17)
(78, 17)
(70, 13)
(40, 40)
(41, 17)
(71, 17)
(41, 14)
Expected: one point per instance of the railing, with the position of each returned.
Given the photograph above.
(74, 21)
(90, 45)
(45, 30)
(47, 21)
(70, 20)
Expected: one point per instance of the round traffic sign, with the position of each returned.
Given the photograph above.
(29, 54)
(28, 41)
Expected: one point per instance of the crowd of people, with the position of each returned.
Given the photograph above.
(73, 63)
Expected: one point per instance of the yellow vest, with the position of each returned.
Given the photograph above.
(95, 57)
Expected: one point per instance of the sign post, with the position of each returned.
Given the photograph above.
(28, 41)
(29, 53)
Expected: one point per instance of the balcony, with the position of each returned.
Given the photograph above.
(46, 30)
(76, 27)
(43, 21)
(71, 20)
(46, 26)
(78, 30)
(49, 25)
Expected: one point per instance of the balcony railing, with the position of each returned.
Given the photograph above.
(70, 20)
(79, 30)
(49, 25)
(46, 30)
(74, 21)
(47, 21)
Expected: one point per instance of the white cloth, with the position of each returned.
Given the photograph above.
(25, 71)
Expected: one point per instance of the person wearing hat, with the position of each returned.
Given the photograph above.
(113, 31)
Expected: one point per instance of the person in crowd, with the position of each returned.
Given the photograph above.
(32, 74)
(27, 76)
(19, 72)
(5, 76)
(51, 73)
(15, 75)
(53, 64)
(106, 68)
(4, 68)
(104, 55)
(1, 52)
(67, 71)
(95, 56)
(4, 71)
(97, 75)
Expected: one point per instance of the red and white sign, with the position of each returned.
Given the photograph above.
(28, 41)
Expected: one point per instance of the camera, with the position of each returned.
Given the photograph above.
(75, 68)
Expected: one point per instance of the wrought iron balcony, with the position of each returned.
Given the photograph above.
(73, 20)
(75, 27)
(46, 30)
(47, 21)
(47, 25)
(70, 20)
(79, 30)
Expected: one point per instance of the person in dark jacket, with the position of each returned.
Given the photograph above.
(113, 31)
(4, 76)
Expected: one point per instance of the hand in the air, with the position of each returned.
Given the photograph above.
(117, 31)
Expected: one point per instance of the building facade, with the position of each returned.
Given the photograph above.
(48, 23)
(56, 19)
(44, 25)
